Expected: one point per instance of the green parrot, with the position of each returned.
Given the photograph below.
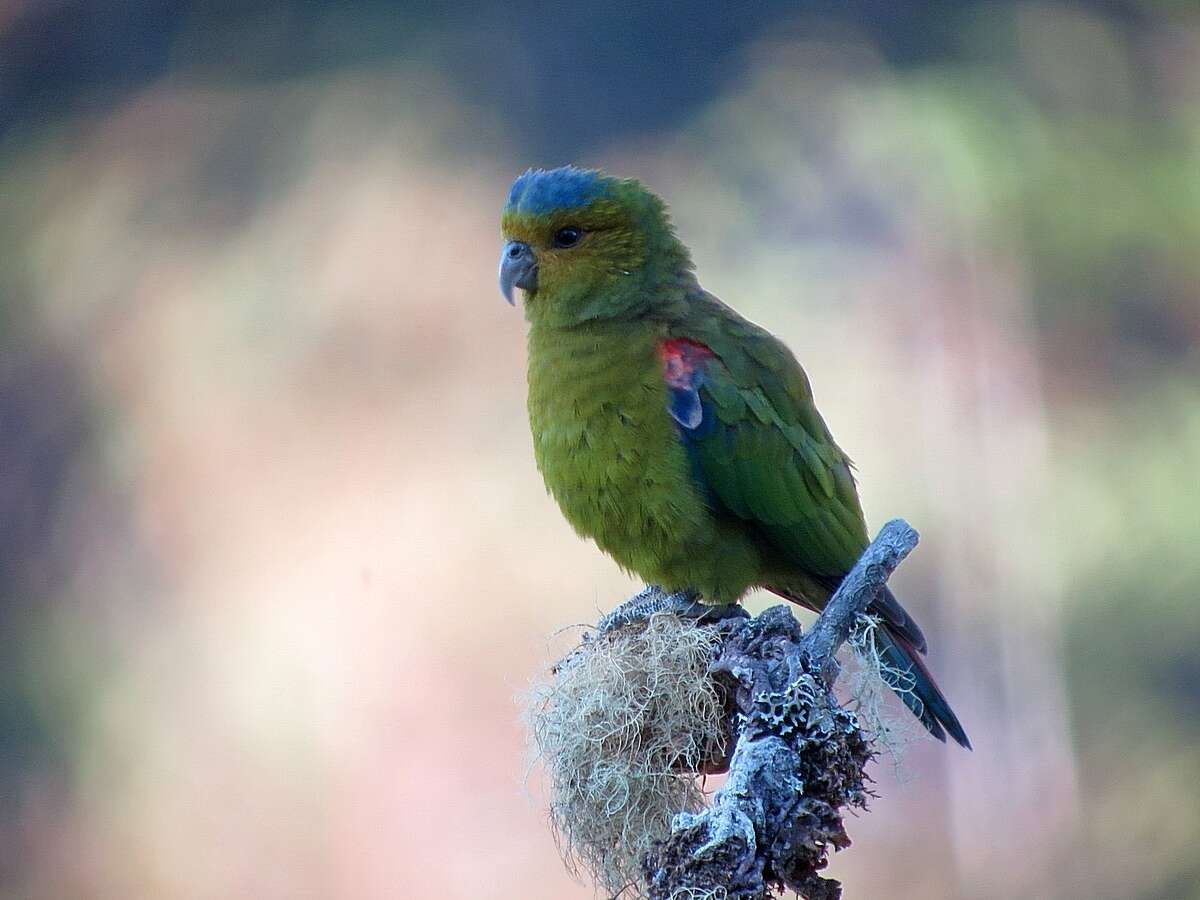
(679, 436)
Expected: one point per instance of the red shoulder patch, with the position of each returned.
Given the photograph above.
(681, 359)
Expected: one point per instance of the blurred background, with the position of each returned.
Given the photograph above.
(275, 563)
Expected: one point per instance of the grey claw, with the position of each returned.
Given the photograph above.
(653, 600)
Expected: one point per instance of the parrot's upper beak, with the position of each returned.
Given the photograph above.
(518, 269)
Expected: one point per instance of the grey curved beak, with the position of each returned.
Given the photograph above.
(518, 269)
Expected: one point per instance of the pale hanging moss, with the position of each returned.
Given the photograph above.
(626, 718)
(622, 725)
(868, 687)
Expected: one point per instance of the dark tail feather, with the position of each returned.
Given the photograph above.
(900, 645)
(900, 623)
(917, 688)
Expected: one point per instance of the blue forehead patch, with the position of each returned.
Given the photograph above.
(541, 191)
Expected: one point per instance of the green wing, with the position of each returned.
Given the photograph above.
(762, 450)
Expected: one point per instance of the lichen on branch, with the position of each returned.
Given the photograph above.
(631, 716)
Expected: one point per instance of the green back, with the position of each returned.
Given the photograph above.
(763, 450)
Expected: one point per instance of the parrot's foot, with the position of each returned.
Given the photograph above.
(653, 600)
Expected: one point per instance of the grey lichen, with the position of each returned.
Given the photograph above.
(639, 708)
(798, 763)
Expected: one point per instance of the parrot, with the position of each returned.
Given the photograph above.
(679, 436)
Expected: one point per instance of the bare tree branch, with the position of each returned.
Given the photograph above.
(895, 541)
(798, 757)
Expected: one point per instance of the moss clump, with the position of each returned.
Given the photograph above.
(869, 688)
(621, 726)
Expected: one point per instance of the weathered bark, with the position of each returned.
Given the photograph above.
(798, 757)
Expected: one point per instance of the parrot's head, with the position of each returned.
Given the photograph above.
(584, 245)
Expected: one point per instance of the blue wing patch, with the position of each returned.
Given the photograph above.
(685, 406)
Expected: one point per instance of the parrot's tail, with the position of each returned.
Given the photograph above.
(900, 645)
(915, 686)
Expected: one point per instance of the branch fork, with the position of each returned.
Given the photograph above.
(798, 757)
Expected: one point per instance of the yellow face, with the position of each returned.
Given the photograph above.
(585, 246)
(565, 255)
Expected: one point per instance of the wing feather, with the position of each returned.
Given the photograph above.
(761, 447)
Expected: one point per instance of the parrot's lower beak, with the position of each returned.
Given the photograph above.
(518, 269)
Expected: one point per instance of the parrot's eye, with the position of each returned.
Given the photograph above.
(567, 237)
